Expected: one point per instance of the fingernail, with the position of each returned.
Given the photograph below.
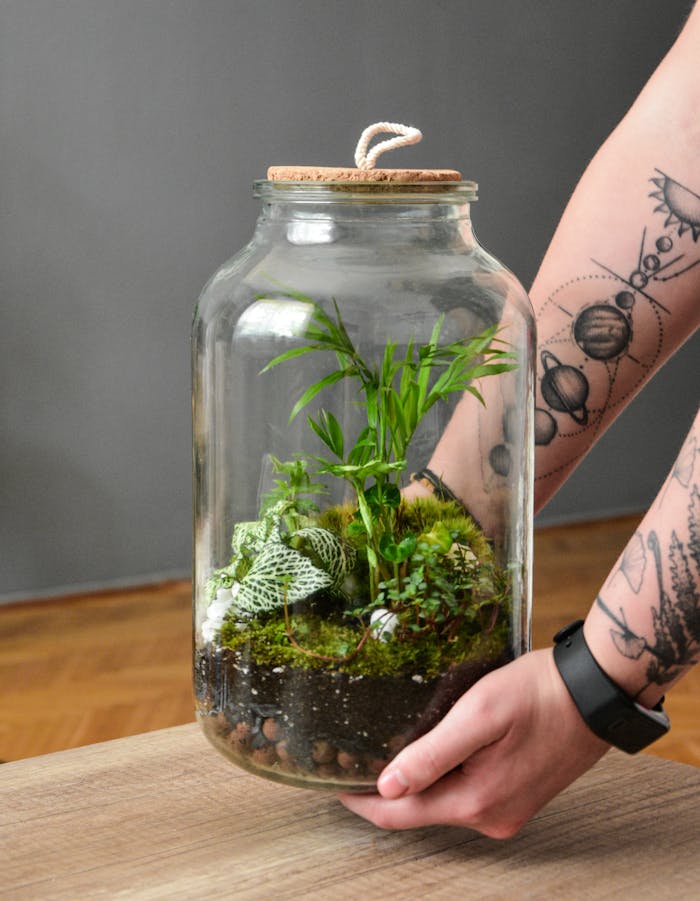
(392, 783)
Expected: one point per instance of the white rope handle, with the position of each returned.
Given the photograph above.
(407, 134)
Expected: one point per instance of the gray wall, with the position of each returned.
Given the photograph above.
(131, 131)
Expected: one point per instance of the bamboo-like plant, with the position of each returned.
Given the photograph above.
(396, 394)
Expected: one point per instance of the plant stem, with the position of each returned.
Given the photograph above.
(324, 657)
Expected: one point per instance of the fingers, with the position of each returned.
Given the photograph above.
(407, 812)
(470, 725)
(454, 800)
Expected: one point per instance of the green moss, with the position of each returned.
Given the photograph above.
(268, 644)
(451, 597)
(413, 517)
(337, 518)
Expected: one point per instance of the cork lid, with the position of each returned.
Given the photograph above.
(365, 160)
(342, 174)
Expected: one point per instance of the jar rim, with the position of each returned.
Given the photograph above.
(366, 191)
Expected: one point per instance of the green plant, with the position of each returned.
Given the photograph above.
(293, 491)
(396, 394)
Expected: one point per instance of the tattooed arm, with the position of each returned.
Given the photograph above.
(644, 628)
(617, 293)
(618, 290)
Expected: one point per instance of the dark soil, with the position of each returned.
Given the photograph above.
(321, 728)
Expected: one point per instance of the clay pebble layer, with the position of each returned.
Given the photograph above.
(311, 726)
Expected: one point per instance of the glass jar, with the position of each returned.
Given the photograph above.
(363, 462)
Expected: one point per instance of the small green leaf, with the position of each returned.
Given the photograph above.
(439, 536)
(315, 389)
(329, 431)
(321, 432)
(356, 529)
(397, 553)
(372, 406)
(359, 473)
(335, 432)
(365, 447)
(290, 355)
(388, 495)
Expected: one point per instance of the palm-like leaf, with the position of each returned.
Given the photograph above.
(396, 394)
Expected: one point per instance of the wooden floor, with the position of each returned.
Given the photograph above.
(90, 668)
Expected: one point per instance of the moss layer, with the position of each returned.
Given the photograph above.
(268, 644)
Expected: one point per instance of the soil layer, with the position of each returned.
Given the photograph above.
(320, 727)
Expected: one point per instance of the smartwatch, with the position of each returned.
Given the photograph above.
(606, 709)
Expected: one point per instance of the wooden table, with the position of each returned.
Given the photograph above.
(162, 815)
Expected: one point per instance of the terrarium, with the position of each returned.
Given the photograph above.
(363, 441)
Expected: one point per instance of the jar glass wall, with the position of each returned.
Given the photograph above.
(340, 608)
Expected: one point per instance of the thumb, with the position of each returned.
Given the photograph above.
(471, 724)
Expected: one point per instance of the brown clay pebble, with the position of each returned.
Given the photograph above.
(240, 736)
(376, 765)
(283, 751)
(347, 761)
(271, 729)
(223, 727)
(322, 751)
(264, 756)
(327, 771)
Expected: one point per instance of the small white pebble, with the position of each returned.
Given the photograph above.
(217, 610)
(209, 630)
(384, 624)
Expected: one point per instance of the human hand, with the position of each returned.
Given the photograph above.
(507, 747)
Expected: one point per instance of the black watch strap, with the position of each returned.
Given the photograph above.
(606, 709)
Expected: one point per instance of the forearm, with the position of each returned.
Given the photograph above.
(644, 628)
(619, 288)
(617, 292)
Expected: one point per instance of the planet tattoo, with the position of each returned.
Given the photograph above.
(639, 279)
(608, 320)
(545, 426)
(500, 459)
(564, 388)
(624, 300)
(602, 331)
